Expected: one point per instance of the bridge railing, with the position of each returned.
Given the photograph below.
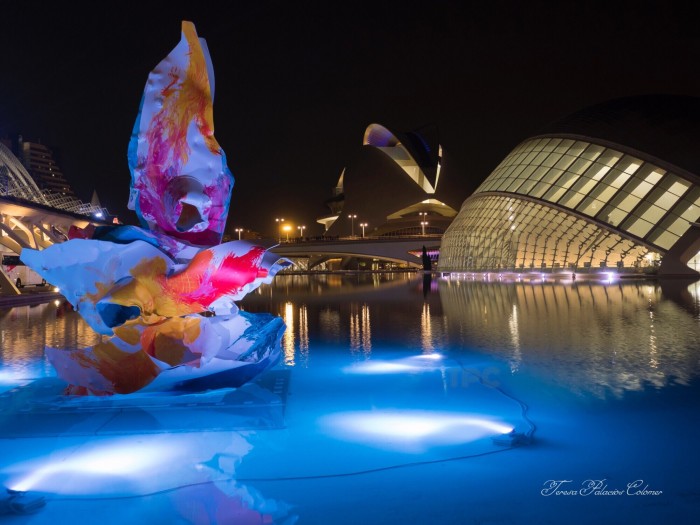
(357, 238)
(69, 203)
(54, 200)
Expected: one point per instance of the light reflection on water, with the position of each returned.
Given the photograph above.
(360, 330)
(589, 337)
(596, 338)
(25, 330)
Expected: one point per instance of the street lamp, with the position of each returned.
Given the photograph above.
(279, 227)
(363, 225)
(287, 228)
(239, 231)
(422, 215)
(352, 218)
(301, 230)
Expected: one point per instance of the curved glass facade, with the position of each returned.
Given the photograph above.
(564, 203)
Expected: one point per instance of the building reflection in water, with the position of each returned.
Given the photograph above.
(289, 336)
(356, 312)
(694, 291)
(601, 338)
(516, 357)
(426, 330)
(653, 363)
(304, 335)
(360, 330)
(26, 330)
(593, 337)
(366, 331)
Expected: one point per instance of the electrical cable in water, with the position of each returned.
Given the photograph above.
(518, 439)
(283, 478)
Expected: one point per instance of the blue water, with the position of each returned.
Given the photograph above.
(390, 391)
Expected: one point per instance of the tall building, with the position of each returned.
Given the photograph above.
(39, 162)
(615, 186)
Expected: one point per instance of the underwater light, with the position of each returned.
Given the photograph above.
(432, 356)
(419, 363)
(378, 367)
(17, 502)
(411, 430)
(510, 439)
(11, 377)
(121, 459)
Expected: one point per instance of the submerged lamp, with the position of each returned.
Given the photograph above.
(17, 502)
(412, 430)
(510, 439)
(418, 363)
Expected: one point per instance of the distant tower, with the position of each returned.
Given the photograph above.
(95, 201)
(39, 161)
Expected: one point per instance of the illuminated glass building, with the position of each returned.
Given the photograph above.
(612, 186)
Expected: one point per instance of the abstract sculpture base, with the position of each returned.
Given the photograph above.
(238, 348)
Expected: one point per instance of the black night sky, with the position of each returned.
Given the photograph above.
(298, 82)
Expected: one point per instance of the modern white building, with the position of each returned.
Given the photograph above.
(34, 218)
(394, 186)
(611, 186)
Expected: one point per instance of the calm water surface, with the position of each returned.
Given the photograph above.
(597, 338)
(594, 338)
(609, 371)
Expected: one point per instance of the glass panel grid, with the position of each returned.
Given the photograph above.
(615, 188)
(497, 232)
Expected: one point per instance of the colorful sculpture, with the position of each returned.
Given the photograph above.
(180, 184)
(165, 293)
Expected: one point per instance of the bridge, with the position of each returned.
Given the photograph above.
(26, 224)
(32, 218)
(403, 250)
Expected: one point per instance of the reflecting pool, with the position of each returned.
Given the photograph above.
(390, 406)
